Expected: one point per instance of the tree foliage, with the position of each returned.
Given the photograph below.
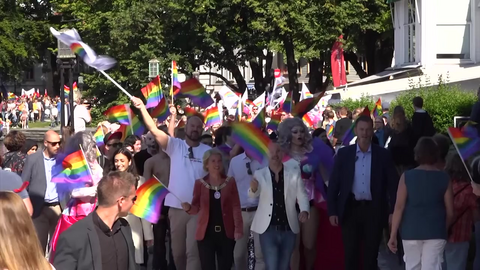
(22, 39)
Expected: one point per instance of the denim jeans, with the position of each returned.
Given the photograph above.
(456, 255)
(277, 247)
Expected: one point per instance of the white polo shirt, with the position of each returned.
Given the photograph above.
(183, 170)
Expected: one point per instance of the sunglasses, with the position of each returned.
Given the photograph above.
(117, 145)
(54, 143)
(249, 168)
(190, 153)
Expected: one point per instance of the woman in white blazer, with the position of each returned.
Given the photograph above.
(141, 229)
(279, 187)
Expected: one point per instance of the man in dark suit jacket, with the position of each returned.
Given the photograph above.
(103, 239)
(361, 196)
(37, 171)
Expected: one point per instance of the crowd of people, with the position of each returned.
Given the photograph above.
(315, 203)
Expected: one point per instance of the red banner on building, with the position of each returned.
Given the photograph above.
(338, 64)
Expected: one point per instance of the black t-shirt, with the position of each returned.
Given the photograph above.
(341, 127)
(140, 158)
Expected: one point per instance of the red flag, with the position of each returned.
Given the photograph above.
(338, 64)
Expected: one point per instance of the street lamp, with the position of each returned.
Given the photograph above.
(66, 61)
(153, 68)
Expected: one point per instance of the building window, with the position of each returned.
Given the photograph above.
(228, 75)
(454, 29)
(153, 68)
(410, 31)
(30, 74)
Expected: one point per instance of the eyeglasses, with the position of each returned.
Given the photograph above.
(249, 168)
(54, 143)
(190, 153)
(117, 145)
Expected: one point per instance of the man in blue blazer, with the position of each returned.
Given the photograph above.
(361, 196)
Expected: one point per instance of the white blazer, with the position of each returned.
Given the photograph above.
(294, 191)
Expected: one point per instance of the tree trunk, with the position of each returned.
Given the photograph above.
(353, 59)
(371, 38)
(237, 75)
(315, 80)
(291, 66)
(257, 76)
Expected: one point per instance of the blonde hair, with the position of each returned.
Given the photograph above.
(207, 156)
(19, 245)
(398, 122)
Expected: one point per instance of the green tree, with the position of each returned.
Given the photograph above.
(23, 40)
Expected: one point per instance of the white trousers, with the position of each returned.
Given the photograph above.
(423, 254)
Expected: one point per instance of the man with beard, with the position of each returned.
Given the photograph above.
(186, 167)
(141, 157)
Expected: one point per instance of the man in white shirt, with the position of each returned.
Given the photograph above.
(81, 115)
(186, 167)
(241, 169)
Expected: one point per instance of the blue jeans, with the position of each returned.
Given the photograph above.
(456, 255)
(277, 247)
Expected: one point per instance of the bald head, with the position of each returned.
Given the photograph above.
(51, 142)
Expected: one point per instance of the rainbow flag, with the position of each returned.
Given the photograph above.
(377, 111)
(259, 120)
(153, 93)
(77, 48)
(161, 112)
(194, 90)
(119, 113)
(189, 111)
(137, 126)
(466, 140)
(150, 196)
(306, 105)
(307, 120)
(175, 84)
(274, 121)
(74, 169)
(66, 89)
(251, 139)
(287, 105)
(74, 86)
(125, 130)
(212, 117)
(99, 136)
(330, 132)
(11, 96)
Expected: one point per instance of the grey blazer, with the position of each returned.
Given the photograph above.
(34, 173)
(78, 248)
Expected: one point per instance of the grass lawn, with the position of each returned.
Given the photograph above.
(39, 124)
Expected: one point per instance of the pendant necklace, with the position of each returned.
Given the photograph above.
(217, 194)
(217, 189)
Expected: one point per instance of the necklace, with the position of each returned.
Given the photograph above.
(217, 189)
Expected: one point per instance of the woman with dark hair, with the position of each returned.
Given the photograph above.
(322, 135)
(465, 208)
(14, 159)
(29, 147)
(141, 229)
(133, 143)
(423, 210)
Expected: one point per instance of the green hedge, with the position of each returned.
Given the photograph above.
(442, 102)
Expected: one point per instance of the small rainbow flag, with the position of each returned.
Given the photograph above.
(307, 120)
(194, 90)
(212, 117)
(466, 140)
(119, 113)
(11, 96)
(77, 48)
(306, 105)
(99, 136)
(125, 130)
(161, 112)
(153, 93)
(137, 126)
(189, 111)
(150, 196)
(74, 169)
(259, 120)
(287, 105)
(330, 131)
(377, 111)
(251, 139)
(74, 86)
(175, 84)
(66, 89)
(274, 121)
